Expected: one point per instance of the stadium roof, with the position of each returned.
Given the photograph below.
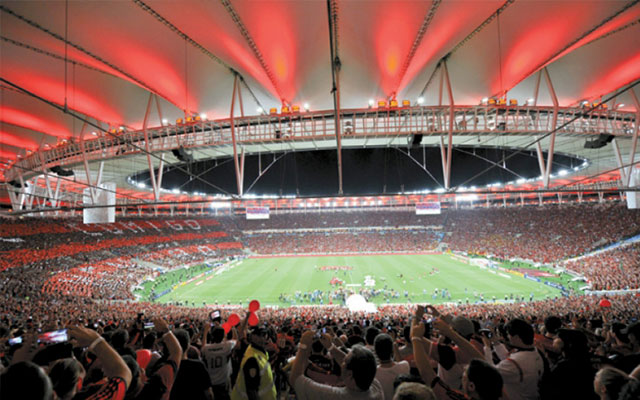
(63, 63)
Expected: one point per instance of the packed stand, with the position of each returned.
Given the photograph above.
(391, 241)
(558, 349)
(542, 234)
(610, 270)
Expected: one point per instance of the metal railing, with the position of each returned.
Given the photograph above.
(320, 125)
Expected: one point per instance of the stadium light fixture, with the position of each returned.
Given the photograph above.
(94, 133)
(371, 102)
(420, 100)
(440, 190)
(530, 101)
(165, 121)
(563, 172)
(620, 105)
(259, 110)
(203, 116)
(484, 101)
(521, 181)
(306, 106)
(176, 191)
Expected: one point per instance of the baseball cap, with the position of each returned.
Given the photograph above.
(463, 326)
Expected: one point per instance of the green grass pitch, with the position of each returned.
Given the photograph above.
(266, 279)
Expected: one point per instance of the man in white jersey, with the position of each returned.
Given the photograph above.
(217, 358)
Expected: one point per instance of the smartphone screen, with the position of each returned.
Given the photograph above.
(15, 341)
(215, 316)
(53, 337)
(149, 325)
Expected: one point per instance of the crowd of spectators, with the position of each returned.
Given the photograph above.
(110, 279)
(552, 349)
(343, 242)
(68, 276)
(173, 257)
(618, 268)
(543, 234)
(546, 234)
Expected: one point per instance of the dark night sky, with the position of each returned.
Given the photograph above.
(365, 171)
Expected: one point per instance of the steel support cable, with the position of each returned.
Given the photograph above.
(199, 174)
(495, 163)
(62, 178)
(87, 52)
(52, 55)
(560, 189)
(195, 44)
(416, 42)
(503, 92)
(336, 64)
(264, 171)
(43, 134)
(141, 149)
(556, 129)
(627, 165)
(613, 32)
(425, 169)
(584, 35)
(333, 7)
(472, 34)
(5, 87)
(252, 45)
(433, 74)
(77, 208)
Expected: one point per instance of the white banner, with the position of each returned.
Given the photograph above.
(105, 195)
(429, 208)
(257, 212)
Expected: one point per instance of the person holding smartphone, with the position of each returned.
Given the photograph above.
(113, 366)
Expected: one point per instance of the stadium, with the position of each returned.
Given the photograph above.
(390, 200)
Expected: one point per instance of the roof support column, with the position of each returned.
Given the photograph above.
(56, 195)
(623, 170)
(540, 157)
(33, 191)
(554, 98)
(446, 156)
(16, 200)
(236, 162)
(634, 143)
(336, 64)
(536, 88)
(46, 178)
(85, 162)
(156, 181)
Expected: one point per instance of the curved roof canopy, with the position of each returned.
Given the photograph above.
(103, 59)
